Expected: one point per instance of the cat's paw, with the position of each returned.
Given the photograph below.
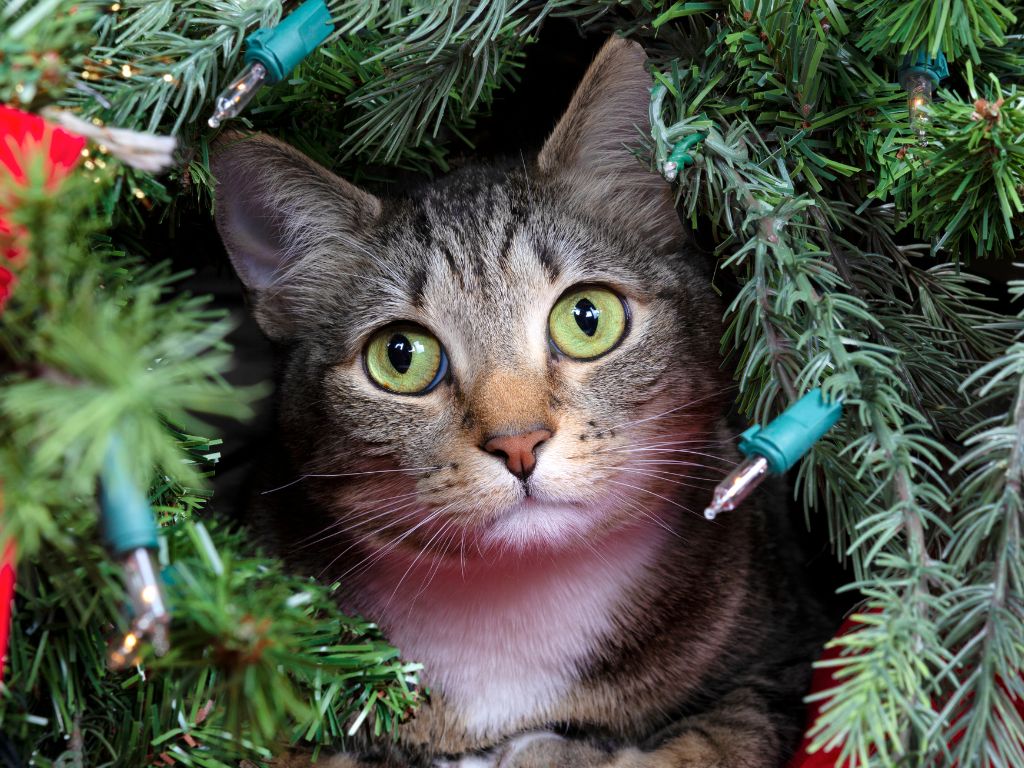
(466, 761)
(506, 755)
(543, 749)
(524, 750)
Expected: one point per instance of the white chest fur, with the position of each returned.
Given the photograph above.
(504, 638)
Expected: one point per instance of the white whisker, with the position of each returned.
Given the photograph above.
(644, 512)
(462, 554)
(423, 550)
(685, 451)
(662, 443)
(589, 545)
(713, 469)
(358, 521)
(371, 534)
(672, 410)
(348, 474)
(702, 477)
(359, 515)
(661, 476)
(652, 493)
(438, 560)
(378, 554)
(676, 462)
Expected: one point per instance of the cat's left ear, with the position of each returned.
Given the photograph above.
(589, 149)
(288, 225)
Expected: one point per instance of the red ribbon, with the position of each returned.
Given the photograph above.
(22, 135)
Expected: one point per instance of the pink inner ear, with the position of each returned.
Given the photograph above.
(255, 247)
(267, 193)
(590, 148)
(607, 113)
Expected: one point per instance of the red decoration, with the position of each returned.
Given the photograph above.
(823, 680)
(22, 138)
(6, 596)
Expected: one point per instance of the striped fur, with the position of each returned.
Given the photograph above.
(588, 616)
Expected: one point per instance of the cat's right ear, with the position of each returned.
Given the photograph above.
(283, 219)
(590, 147)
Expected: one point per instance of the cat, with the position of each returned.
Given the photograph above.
(501, 410)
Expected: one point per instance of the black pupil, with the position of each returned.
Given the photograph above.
(586, 315)
(400, 352)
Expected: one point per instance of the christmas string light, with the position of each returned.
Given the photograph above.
(787, 438)
(775, 448)
(919, 74)
(271, 54)
(672, 145)
(130, 530)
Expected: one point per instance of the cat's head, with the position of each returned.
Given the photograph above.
(515, 356)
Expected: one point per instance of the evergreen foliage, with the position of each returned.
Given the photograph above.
(96, 344)
(850, 233)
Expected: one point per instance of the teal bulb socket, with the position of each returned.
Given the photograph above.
(680, 154)
(127, 519)
(280, 49)
(789, 436)
(920, 63)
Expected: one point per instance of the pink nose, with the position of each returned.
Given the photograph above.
(518, 451)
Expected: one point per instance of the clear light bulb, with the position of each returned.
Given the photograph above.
(739, 484)
(919, 87)
(238, 94)
(150, 616)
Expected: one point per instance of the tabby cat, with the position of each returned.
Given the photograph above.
(501, 410)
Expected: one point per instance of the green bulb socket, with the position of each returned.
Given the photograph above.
(790, 435)
(919, 63)
(280, 49)
(680, 154)
(127, 519)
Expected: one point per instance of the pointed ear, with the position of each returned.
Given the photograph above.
(284, 220)
(590, 147)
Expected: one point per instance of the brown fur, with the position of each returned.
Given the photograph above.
(708, 649)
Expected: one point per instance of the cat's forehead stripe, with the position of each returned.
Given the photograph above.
(478, 237)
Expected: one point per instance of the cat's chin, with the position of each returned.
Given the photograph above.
(536, 524)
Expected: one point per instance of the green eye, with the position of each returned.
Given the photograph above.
(587, 322)
(405, 359)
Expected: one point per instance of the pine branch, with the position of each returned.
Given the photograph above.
(985, 616)
(952, 26)
(158, 65)
(259, 659)
(806, 315)
(95, 346)
(965, 190)
(935, 316)
(397, 70)
(42, 42)
(427, 65)
(406, 101)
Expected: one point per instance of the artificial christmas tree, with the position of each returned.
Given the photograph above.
(847, 213)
